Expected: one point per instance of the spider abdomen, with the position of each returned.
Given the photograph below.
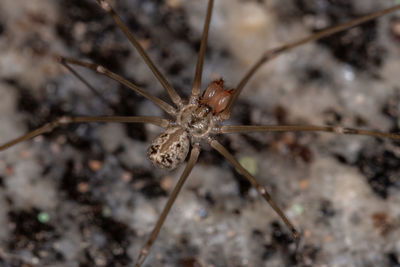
(170, 148)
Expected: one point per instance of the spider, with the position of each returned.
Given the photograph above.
(197, 119)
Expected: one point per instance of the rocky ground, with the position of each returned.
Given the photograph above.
(86, 195)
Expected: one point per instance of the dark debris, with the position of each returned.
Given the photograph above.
(29, 233)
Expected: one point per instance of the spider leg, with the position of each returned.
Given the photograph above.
(273, 53)
(102, 70)
(68, 120)
(261, 189)
(88, 85)
(170, 90)
(199, 67)
(146, 248)
(226, 129)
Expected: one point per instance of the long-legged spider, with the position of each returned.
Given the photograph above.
(203, 135)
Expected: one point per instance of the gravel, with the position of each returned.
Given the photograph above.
(102, 196)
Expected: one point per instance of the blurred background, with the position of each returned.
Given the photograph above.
(86, 195)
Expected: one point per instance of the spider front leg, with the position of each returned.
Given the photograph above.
(146, 248)
(199, 67)
(226, 129)
(68, 120)
(83, 80)
(102, 70)
(275, 52)
(261, 189)
(160, 77)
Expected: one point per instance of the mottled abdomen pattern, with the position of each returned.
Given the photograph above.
(170, 148)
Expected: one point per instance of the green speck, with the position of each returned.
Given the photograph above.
(298, 209)
(106, 211)
(397, 2)
(250, 164)
(43, 217)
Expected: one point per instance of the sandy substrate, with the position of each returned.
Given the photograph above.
(86, 195)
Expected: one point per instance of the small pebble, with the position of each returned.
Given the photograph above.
(304, 184)
(43, 217)
(95, 165)
(167, 183)
(250, 164)
(83, 187)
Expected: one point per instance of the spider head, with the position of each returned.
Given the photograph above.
(196, 119)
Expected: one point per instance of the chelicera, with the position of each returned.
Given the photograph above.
(200, 118)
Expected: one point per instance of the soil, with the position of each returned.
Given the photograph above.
(86, 195)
